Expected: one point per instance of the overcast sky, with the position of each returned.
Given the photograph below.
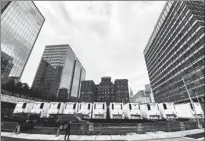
(108, 37)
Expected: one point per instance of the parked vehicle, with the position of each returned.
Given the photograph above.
(150, 111)
(186, 110)
(41, 108)
(99, 110)
(70, 108)
(55, 108)
(116, 110)
(85, 109)
(23, 107)
(167, 110)
(132, 111)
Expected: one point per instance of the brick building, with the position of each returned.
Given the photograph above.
(105, 90)
(121, 90)
(88, 91)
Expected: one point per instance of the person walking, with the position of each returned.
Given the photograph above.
(67, 130)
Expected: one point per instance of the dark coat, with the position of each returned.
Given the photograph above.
(67, 127)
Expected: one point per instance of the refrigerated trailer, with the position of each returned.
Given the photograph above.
(23, 107)
(55, 108)
(41, 108)
(150, 111)
(116, 111)
(186, 110)
(70, 108)
(167, 110)
(99, 110)
(132, 111)
(85, 108)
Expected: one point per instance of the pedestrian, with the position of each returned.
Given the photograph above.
(67, 130)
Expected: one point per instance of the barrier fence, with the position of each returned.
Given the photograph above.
(112, 128)
(117, 128)
(6, 114)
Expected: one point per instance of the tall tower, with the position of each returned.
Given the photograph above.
(175, 51)
(21, 23)
(78, 76)
(55, 72)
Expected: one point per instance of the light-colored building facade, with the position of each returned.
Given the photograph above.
(175, 51)
(141, 97)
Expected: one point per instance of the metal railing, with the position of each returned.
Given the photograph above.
(117, 129)
(112, 128)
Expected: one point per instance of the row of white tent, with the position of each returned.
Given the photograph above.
(100, 110)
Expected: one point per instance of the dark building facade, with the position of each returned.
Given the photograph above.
(21, 23)
(88, 91)
(58, 72)
(175, 52)
(105, 90)
(121, 90)
(109, 92)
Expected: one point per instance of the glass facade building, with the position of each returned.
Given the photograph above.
(21, 22)
(175, 51)
(76, 79)
(58, 73)
(82, 78)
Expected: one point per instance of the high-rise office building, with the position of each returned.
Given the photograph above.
(58, 74)
(82, 78)
(78, 76)
(21, 22)
(174, 54)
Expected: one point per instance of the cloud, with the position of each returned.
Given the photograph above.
(108, 37)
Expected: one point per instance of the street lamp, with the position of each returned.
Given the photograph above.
(197, 119)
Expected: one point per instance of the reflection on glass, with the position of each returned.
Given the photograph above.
(56, 75)
(19, 29)
(76, 79)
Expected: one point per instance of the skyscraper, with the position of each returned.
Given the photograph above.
(76, 79)
(21, 22)
(58, 74)
(174, 54)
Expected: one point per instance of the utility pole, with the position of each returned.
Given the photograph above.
(197, 119)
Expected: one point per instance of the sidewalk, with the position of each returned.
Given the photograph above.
(136, 137)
